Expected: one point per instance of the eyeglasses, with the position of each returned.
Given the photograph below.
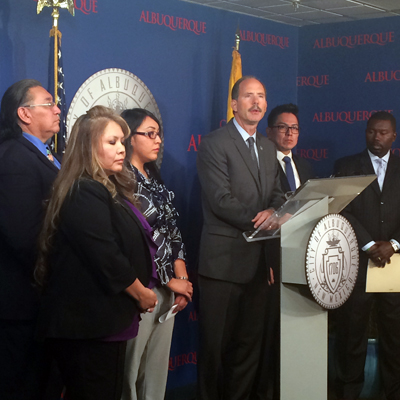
(151, 135)
(51, 104)
(285, 129)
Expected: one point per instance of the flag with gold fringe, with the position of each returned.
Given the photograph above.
(56, 81)
(236, 74)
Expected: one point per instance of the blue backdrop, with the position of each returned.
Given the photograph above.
(337, 73)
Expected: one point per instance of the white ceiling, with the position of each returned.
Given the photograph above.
(308, 12)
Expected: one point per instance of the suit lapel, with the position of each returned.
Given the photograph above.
(368, 169)
(41, 157)
(391, 172)
(245, 153)
(300, 171)
(262, 162)
(132, 215)
(284, 181)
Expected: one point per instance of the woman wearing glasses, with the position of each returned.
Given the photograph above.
(95, 260)
(146, 364)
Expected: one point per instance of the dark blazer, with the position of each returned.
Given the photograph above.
(99, 250)
(374, 215)
(304, 169)
(233, 192)
(26, 176)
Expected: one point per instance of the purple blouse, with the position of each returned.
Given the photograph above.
(132, 330)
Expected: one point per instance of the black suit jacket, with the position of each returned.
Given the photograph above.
(26, 177)
(99, 250)
(233, 192)
(303, 168)
(374, 215)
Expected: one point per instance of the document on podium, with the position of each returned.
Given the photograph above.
(384, 280)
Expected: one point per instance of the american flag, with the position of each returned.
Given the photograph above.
(58, 140)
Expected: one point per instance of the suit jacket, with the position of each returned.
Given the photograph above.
(374, 214)
(26, 176)
(303, 168)
(99, 250)
(233, 192)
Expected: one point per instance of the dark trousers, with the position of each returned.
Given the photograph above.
(231, 321)
(90, 369)
(26, 369)
(352, 340)
(267, 381)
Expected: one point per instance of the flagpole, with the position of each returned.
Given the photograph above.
(237, 38)
(236, 73)
(54, 32)
(57, 36)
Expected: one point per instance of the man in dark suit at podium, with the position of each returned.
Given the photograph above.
(375, 217)
(283, 129)
(28, 118)
(239, 178)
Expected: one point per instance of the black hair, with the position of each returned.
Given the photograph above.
(14, 97)
(134, 118)
(383, 116)
(278, 110)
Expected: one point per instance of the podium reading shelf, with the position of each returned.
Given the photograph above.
(303, 322)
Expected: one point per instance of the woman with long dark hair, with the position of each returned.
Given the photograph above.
(94, 262)
(146, 365)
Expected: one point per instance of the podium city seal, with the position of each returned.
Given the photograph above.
(114, 88)
(332, 261)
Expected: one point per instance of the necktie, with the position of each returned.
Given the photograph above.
(250, 142)
(289, 173)
(381, 170)
(49, 155)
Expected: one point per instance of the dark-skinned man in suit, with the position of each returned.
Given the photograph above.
(375, 217)
(28, 119)
(239, 177)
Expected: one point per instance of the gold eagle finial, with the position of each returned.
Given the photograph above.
(68, 4)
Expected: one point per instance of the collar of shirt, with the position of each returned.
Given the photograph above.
(36, 142)
(245, 135)
(40, 146)
(280, 156)
(373, 157)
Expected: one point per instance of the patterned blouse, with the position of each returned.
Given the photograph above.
(156, 206)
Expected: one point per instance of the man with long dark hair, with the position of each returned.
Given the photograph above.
(28, 119)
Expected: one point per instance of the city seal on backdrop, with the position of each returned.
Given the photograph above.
(115, 88)
(332, 261)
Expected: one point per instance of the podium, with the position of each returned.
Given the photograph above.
(303, 322)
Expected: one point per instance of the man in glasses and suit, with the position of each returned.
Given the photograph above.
(28, 119)
(283, 129)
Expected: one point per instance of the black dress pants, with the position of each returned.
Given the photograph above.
(352, 339)
(90, 369)
(231, 321)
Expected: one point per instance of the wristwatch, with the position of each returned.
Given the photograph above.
(395, 246)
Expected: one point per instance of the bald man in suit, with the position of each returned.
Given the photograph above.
(239, 178)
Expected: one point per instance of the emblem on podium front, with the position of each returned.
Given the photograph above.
(332, 261)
